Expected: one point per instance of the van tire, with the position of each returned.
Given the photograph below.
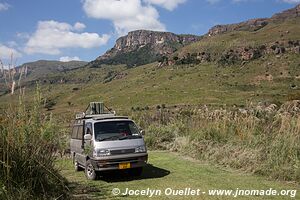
(90, 172)
(136, 171)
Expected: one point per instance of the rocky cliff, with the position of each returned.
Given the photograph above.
(143, 46)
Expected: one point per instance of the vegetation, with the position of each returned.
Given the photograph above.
(273, 32)
(29, 141)
(169, 170)
(169, 101)
(269, 80)
(139, 57)
(260, 139)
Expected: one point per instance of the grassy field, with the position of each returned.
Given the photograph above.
(169, 170)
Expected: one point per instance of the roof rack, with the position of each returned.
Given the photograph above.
(96, 110)
(113, 117)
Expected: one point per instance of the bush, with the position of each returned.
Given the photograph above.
(29, 140)
(262, 139)
(160, 137)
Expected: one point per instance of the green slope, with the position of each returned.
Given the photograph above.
(148, 85)
(273, 32)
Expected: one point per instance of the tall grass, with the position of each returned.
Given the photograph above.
(29, 139)
(257, 139)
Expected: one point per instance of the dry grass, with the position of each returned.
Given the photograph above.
(261, 139)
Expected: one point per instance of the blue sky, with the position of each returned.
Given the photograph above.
(84, 29)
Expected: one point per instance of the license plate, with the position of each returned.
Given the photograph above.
(124, 165)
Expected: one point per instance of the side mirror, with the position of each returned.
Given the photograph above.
(87, 137)
(142, 132)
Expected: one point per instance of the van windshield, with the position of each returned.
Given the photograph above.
(116, 130)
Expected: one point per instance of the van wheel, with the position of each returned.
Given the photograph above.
(90, 172)
(136, 171)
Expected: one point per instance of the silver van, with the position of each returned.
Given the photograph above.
(102, 141)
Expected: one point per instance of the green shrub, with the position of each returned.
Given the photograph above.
(160, 137)
(29, 140)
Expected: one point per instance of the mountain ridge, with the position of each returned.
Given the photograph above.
(256, 23)
(143, 46)
(41, 68)
(153, 45)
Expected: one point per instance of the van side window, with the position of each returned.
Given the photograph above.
(88, 128)
(77, 132)
(74, 132)
(80, 133)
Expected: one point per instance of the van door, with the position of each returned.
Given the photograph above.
(78, 143)
(85, 145)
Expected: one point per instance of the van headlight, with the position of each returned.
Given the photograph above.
(101, 152)
(140, 149)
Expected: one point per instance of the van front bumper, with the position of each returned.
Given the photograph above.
(113, 162)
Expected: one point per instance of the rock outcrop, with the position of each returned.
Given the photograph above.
(255, 24)
(240, 54)
(152, 45)
(250, 25)
(287, 14)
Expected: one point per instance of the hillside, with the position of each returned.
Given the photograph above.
(43, 68)
(256, 24)
(246, 41)
(231, 68)
(45, 71)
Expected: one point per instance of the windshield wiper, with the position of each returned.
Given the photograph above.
(129, 137)
(109, 138)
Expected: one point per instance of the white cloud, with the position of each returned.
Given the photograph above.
(126, 15)
(67, 59)
(291, 1)
(6, 52)
(167, 4)
(52, 36)
(79, 26)
(4, 6)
